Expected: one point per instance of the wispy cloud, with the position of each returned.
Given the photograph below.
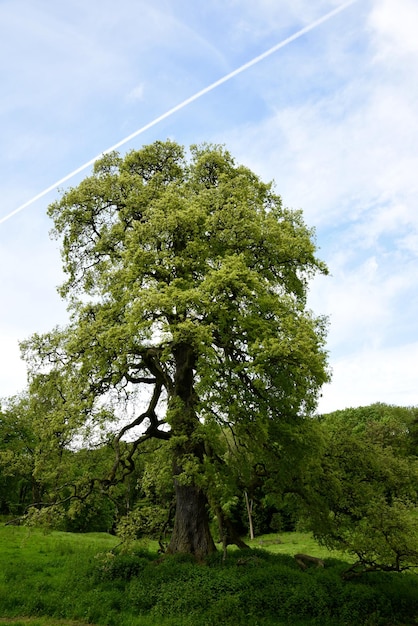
(347, 156)
(137, 93)
(332, 118)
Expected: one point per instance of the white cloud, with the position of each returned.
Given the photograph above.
(332, 118)
(12, 368)
(393, 24)
(382, 375)
(257, 20)
(368, 305)
(29, 274)
(339, 155)
(347, 156)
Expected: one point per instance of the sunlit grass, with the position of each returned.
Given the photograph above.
(293, 542)
(64, 579)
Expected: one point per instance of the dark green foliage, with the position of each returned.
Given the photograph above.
(256, 587)
(18, 484)
(121, 567)
(362, 493)
(93, 516)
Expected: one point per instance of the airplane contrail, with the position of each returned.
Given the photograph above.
(183, 104)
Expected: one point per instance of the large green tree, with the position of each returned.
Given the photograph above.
(361, 493)
(187, 284)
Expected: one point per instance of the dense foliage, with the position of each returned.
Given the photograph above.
(363, 490)
(187, 284)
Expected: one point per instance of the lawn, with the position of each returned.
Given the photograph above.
(74, 579)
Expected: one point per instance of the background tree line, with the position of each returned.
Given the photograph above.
(355, 486)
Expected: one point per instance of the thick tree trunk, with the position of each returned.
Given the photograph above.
(191, 532)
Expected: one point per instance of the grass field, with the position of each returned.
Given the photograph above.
(73, 580)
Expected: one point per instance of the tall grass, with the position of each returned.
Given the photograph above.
(83, 580)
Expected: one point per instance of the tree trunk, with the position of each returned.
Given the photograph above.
(191, 532)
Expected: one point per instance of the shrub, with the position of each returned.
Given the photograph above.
(120, 566)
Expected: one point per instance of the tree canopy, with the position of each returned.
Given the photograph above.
(362, 491)
(187, 282)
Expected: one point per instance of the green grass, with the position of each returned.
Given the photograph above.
(39, 621)
(71, 580)
(292, 543)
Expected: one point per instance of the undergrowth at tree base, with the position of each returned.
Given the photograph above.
(83, 579)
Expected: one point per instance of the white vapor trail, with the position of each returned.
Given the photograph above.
(183, 104)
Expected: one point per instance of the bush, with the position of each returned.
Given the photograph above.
(121, 567)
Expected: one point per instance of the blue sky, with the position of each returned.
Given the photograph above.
(331, 117)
